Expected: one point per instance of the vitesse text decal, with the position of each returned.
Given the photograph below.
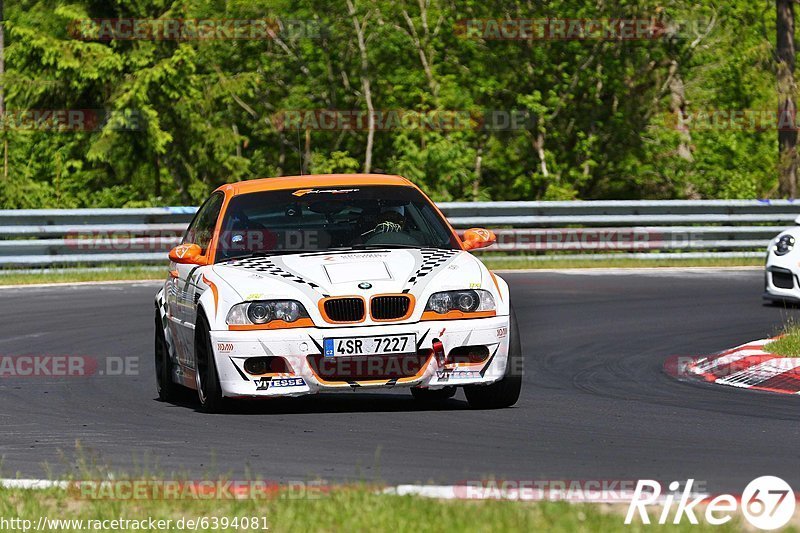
(457, 374)
(270, 383)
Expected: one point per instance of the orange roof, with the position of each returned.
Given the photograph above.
(315, 180)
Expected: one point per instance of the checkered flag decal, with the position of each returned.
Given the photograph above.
(162, 310)
(161, 307)
(266, 266)
(431, 259)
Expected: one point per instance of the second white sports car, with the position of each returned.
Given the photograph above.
(781, 281)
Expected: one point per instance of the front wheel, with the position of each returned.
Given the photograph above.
(209, 391)
(506, 391)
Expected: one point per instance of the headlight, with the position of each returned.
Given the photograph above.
(263, 312)
(259, 313)
(468, 301)
(288, 311)
(784, 245)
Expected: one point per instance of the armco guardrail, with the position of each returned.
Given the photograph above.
(642, 229)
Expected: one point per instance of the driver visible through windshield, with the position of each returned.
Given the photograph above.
(317, 220)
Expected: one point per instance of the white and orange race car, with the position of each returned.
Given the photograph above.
(293, 286)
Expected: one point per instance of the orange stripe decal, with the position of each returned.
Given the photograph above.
(214, 291)
(275, 324)
(455, 315)
(494, 278)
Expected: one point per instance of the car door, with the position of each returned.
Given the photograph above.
(186, 293)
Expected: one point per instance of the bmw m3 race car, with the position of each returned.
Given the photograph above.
(294, 286)
(781, 281)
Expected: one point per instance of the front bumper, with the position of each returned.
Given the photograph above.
(781, 284)
(301, 348)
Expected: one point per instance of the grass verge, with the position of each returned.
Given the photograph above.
(345, 509)
(789, 343)
(78, 275)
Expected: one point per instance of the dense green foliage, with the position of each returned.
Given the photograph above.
(188, 115)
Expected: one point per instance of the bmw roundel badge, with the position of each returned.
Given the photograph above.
(364, 285)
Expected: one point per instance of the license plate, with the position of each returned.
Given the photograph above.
(378, 345)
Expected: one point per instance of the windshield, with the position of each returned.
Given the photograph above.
(316, 220)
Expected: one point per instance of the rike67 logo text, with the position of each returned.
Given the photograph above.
(767, 503)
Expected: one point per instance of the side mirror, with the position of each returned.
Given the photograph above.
(478, 238)
(797, 221)
(188, 254)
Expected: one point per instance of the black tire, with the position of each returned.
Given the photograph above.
(433, 396)
(209, 391)
(167, 389)
(506, 391)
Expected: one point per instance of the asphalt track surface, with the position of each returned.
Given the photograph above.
(595, 404)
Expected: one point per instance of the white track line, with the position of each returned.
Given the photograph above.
(32, 484)
(644, 268)
(652, 271)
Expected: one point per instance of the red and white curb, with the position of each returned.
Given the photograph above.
(747, 367)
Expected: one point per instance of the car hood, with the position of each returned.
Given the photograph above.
(351, 272)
